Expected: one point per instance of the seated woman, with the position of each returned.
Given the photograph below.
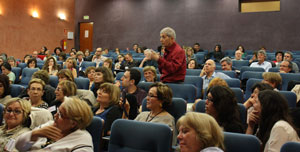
(6, 69)
(51, 66)
(273, 79)
(150, 74)
(67, 132)
(71, 65)
(192, 64)
(159, 98)
(271, 113)
(65, 88)
(119, 62)
(16, 115)
(32, 63)
(107, 107)
(90, 74)
(4, 89)
(216, 55)
(221, 104)
(242, 49)
(65, 74)
(12, 61)
(199, 132)
(36, 91)
(108, 63)
(189, 53)
(278, 57)
(102, 75)
(57, 51)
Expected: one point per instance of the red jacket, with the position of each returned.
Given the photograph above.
(172, 65)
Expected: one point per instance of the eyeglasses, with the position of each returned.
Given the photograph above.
(36, 89)
(210, 99)
(151, 96)
(284, 66)
(60, 115)
(15, 112)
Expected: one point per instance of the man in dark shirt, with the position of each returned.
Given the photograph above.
(130, 80)
(197, 48)
(129, 62)
(172, 65)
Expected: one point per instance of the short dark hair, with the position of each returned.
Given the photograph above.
(279, 52)
(5, 82)
(43, 75)
(6, 65)
(261, 86)
(135, 75)
(32, 60)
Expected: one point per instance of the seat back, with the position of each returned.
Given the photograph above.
(291, 98)
(17, 72)
(287, 77)
(130, 135)
(251, 74)
(16, 89)
(196, 81)
(238, 94)
(176, 109)
(22, 65)
(199, 58)
(26, 76)
(86, 64)
(235, 142)
(239, 64)
(274, 69)
(53, 81)
(95, 129)
(195, 72)
(254, 69)
(231, 74)
(119, 75)
(82, 83)
(290, 146)
(234, 82)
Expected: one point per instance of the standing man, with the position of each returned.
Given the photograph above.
(172, 65)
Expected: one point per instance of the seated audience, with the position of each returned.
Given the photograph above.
(130, 80)
(98, 57)
(288, 56)
(242, 49)
(71, 65)
(108, 63)
(189, 53)
(261, 57)
(208, 73)
(50, 66)
(107, 106)
(278, 57)
(65, 74)
(87, 55)
(271, 114)
(62, 57)
(42, 50)
(197, 48)
(65, 88)
(216, 55)
(238, 55)
(66, 133)
(129, 62)
(254, 58)
(102, 75)
(192, 64)
(80, 59)
(73, 54)
(199, 132)
(119, 62)
(47, 55)
(226, 64)
(221, 104)
(286, 67)
(57, 51)
(26, 58)
(150, 74)
(90, 74)
(36, 91)
(159, 98)
(32, 63)
(16, 118)
(12, 61)
(147, 61)
(4, 89)
(6, 69)
(273, 79)
(2, 60)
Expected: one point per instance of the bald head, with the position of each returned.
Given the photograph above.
(210, 66)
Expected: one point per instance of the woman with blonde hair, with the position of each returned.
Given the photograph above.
(16, 117)
(199, 132)
(66, 133)
(51, 66)
(189, 52)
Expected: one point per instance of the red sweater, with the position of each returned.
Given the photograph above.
(172, 65)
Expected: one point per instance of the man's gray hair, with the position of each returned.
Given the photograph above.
(290, 53)
(169, 32)
(227, 59)
(262, 52)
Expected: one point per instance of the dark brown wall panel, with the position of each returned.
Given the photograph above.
(120, 23)
(21, 34)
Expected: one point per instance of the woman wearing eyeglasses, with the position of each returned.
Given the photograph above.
(67, 133)
(159, 98)
(16, 114)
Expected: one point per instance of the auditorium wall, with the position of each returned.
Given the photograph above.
(120, 23)
(21, 34)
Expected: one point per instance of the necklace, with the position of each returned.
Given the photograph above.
(153, 116)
